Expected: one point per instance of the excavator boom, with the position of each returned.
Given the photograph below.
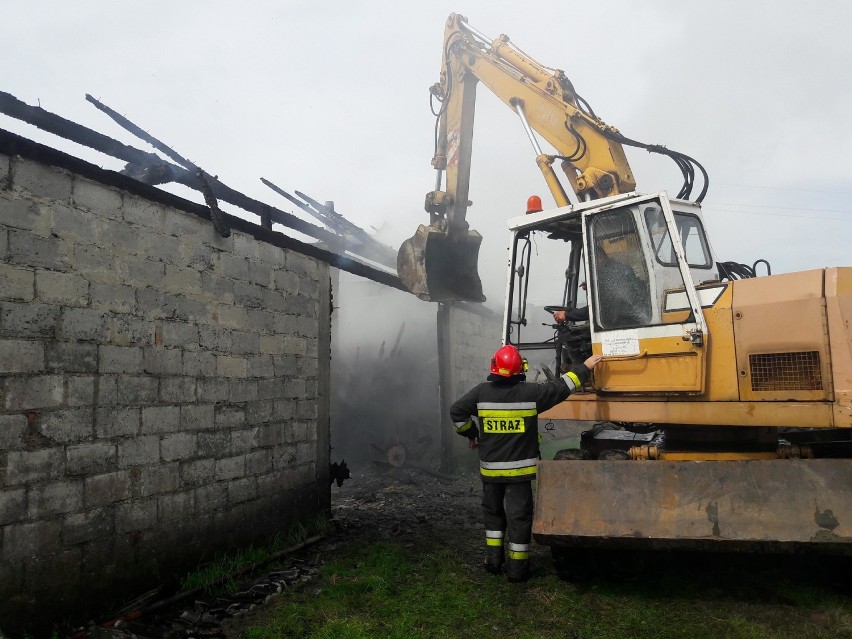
(439, 262)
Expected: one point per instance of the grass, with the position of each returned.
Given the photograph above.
(215, 576)
(385, 590)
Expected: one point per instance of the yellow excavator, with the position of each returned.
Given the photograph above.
(722, 408)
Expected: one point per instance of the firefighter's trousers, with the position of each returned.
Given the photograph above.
(508, 508)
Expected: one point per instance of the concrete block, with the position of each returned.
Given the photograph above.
(101, 490)
(66, 289)
(5, 176)
(216, 287)
(28, 249)
(215, 443)
(157, 480)
(307, 367)
(175, 506)
(247, 294)
(311, 389)
(177, 390)
(55, 498)
(142, 272)
(23, 542)
(211, 497)
(246, 246)
(13, 428)
(197, 472)
(294, 387)
(21, 356)
(244, 440)
(285, 365)
(227, 366)
(84, 324)
(259, 321)
(153, 304)
(119, 359)
(245, 343)
(274, 301)
(178, 446)
(97, 197)
(4, 243)
(192, 310)
(261, 274)
(28, 319)
(141, 212)
(196, 417)
(16, 283)
(118, 422)
(240, 490)
(97, 264)
(229, 316)
(259, 462)
(41, 180)
(70, 426)
(129, 330)
(97, 523)
(162, 361)
(160, 419)
(80, 391)
(179, 279)
(230, 416)
(260, 366)
(13, 505)
(212, 389)
(199, 364)
(259, 412)
(286, 281)
(32, 466)
(34, 392)
(139, 514)
(213, 338)
(284, 409)
(121, 238)
(138, 451)
(164, 248)
(271, 434)
(195, 255)
(184, 225)
(295, 345)
(90, 458)
(242, 390)
(24, 214)
(127, 390)
(230, 467)
(73, 224)
(108, 297)
(233, 267)
(180, 334)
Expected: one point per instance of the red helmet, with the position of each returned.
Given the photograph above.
(507, 361)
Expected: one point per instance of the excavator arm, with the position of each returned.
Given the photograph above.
(439, 262)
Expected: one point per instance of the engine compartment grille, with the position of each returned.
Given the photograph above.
(785, 371)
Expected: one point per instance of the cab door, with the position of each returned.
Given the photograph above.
(646, 318)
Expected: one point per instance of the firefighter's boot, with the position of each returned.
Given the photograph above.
(518, 563)
(494, 557)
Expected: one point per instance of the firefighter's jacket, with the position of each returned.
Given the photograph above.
(503, 414)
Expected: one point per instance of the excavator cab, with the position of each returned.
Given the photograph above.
(438, 266)
(640, 259)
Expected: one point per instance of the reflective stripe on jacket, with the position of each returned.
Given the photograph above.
(503, 414)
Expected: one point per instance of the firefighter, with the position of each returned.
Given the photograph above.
(500, 418)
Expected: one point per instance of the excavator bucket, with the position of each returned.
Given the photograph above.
(438, 267)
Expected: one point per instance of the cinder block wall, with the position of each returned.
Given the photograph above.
(163, 390)
(468, 335)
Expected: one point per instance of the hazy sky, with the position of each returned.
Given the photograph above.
(331, 98)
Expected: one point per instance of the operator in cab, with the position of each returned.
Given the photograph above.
(500, 419)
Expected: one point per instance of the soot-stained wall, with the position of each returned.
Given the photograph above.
(163, 390)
